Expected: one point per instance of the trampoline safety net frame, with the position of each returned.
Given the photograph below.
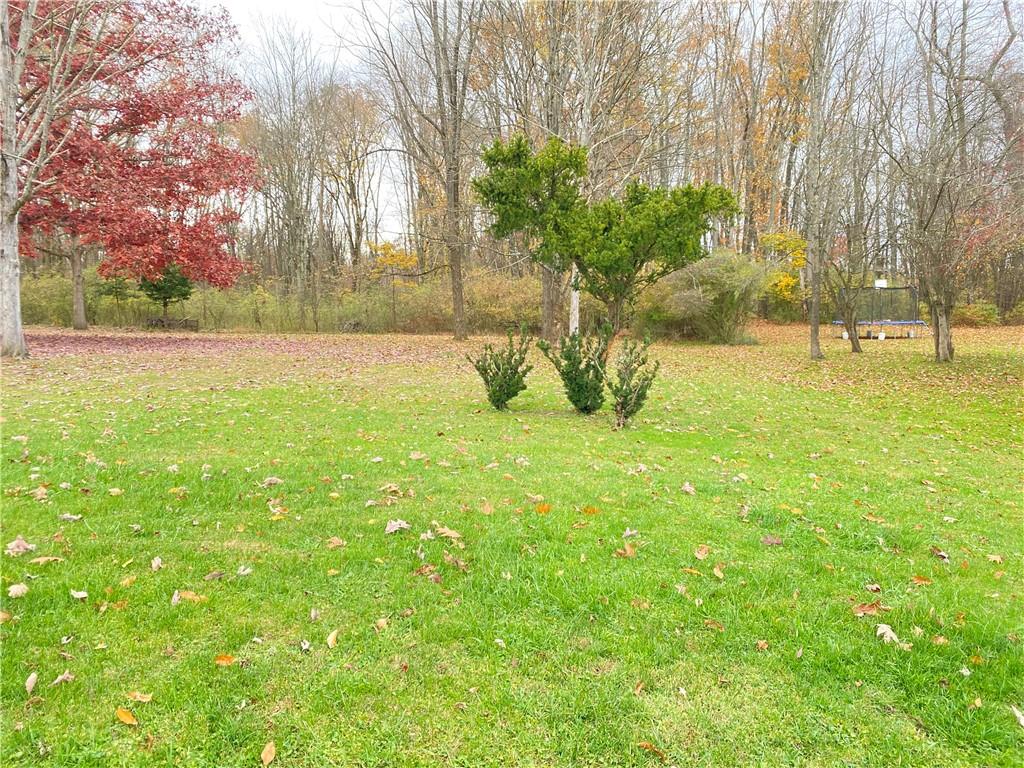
(886, 313)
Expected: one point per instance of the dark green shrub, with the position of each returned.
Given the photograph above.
(580, 362)
(504, 370)
(632, 381)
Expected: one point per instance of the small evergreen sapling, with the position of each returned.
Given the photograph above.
(504, 370)
(580, 362)
(632, 381)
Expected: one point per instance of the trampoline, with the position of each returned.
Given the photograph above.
(885, 313)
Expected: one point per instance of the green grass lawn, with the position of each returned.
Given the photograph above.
(726, 634)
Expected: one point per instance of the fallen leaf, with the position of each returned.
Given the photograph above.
(125, 716)
(144, 698)
(396, 525)
(332, 639)
(543, 508)
(192, 597)
(873, 587)
(867, 609)
(717, 570)
(213, 576)
(18, 547)
(940, 554)
(702, 551)
(381, 624)
(17, 590)
(1018, 714)
(30, 683)
(224, 660)
(995, 559)
(156, 564)
(448, 533)
(648, 747)
(761, 645)
(271, 481)
(921, 580)
(115, 491)
(63, 677)
(688, 489)
(712, 624)
(771, 541)
(417, 456)
(628, 550)
(269, 753)
(4, 617)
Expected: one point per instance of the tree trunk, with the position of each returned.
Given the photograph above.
(12, 338)
(167, 305)
(941, 333)
(574, 301)
(78, 319)
(551, 289)
(814, 311)
(850, 324)
(454, 247)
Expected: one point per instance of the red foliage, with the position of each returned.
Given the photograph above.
(148, 170)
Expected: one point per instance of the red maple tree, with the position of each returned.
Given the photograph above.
(147, 171)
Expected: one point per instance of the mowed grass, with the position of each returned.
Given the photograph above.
(527, 641)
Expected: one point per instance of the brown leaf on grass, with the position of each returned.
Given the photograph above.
(1018, 714)
(543, 508)
(590, 510)
(761, 645)
(921, 580)
(30, 683)
(628, 550)
(771, 541)
(639, 687)
(692, 571)
(712, 624)
(213, 576)
(869, 609)
(995, 559)
(873, 587)
(702, 552)
(17, 590)
(940, 554)
(381, 624)
(332, 639)
(487, 508)
(63, 677)
(192, 597)
(447, 533)
(143, 698)
(125, 716)
(224, 660)
(79, 595)
(4, 617)
(45, 560)
(648, 747)
(269, 753)
(453, 560)
(717, 570)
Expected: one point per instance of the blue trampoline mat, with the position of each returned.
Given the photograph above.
(884, 322)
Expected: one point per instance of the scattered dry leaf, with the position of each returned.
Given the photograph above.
(702, 551)
(125, 716)
(224, 660)
(269, 753)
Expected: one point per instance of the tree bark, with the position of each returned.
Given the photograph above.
(551, 289)
(814, 310)
(453, 245)
(78, 319)
(941, 333)
(850, 324)
(574, 302)
(12, 338)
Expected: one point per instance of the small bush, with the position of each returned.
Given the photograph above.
(977, 315)
(1015, 316)
(632, 381)
(718, 294)
(580, 362)
(504, 370)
